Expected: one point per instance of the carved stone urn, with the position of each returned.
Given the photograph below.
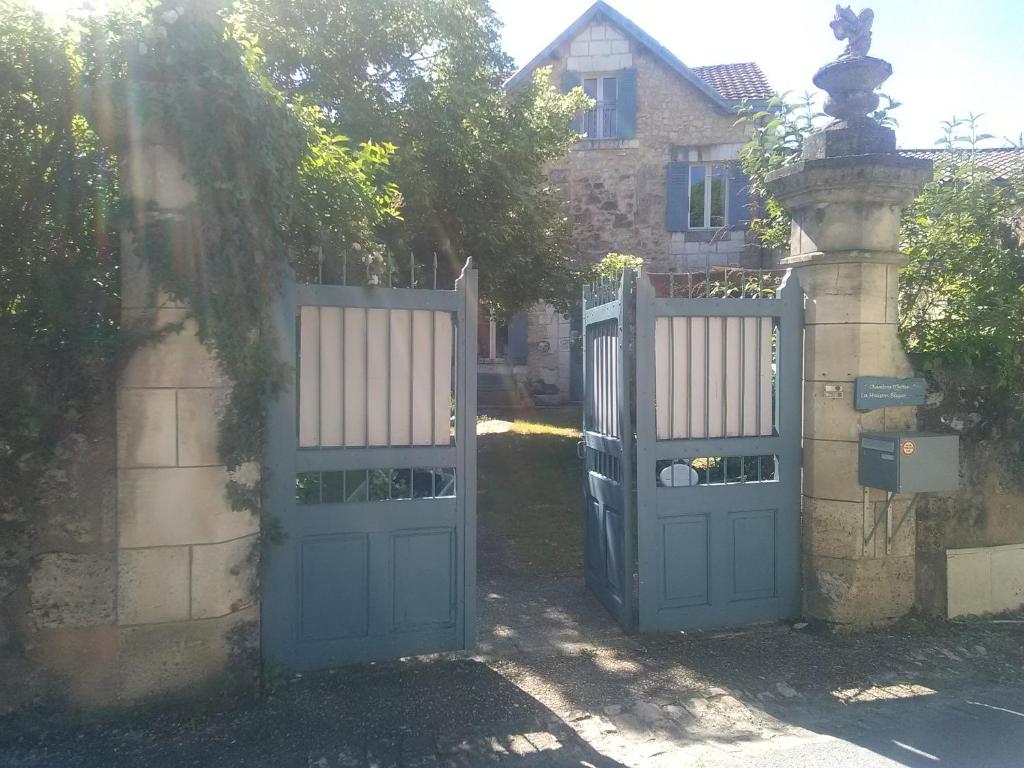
(850, 84)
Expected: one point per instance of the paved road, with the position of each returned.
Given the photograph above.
(556, 684)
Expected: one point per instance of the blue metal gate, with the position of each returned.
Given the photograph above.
(718, 369)
(609, 523)
(373, 487)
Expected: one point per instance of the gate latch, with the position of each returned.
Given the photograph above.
(581, 450)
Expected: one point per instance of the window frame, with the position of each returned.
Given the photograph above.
(599, 102)
(708, 168)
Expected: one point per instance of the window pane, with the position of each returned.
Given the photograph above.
(590, 87)
(697, 173)
(611, 90)
(609, 124)
(590, 123)
(718, 196)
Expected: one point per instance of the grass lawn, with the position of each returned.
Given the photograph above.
(529, 489)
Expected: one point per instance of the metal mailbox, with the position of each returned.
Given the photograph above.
(909, 462)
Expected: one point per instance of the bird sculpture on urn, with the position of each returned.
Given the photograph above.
(855, 28)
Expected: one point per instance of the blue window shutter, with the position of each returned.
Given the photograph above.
(739, 196)
(677, 197)
(627, 103)
(569, 81)
(517, 339)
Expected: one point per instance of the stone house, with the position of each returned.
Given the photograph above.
(655, 174)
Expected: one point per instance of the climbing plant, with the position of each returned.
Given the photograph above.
(58, 255)
(270, 180)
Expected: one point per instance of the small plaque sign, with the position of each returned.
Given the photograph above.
(874, 392)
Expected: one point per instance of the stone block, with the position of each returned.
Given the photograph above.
(146, 428)
(581, 48)
(158, 177)
(849, 293)
(833, 528)
(224, 577)
(153, 585)
(830, 471)
(600, 48)
(575, 63)
(72, 590)
(620, 46)
(199, 412)
(613, 33)
(176, 360)
(598, 32)
(858, 594)
(842, 352)
(827, 417)
(186, 505)
(85, 659)
(189, 657)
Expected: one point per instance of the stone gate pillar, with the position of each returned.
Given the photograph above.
(846, 196)
(186, 604)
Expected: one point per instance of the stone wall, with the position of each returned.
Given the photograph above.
(550, 346)
(987, 512)
(58, 575)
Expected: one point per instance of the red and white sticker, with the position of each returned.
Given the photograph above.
(908, 447)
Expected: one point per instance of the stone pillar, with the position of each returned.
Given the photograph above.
(186, 605)
(846, 197)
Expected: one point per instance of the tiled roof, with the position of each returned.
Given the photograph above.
(736, 81)
(1002, 161)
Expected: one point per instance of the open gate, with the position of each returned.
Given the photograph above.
(716, 488)
(374, 490)
(609, 522)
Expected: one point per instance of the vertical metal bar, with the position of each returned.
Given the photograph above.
(342, 387)
(707, 374)
(725, 376)
(412, 378)
(366, 380)
(743, 376)
(689, 377)
(465, 424)
(412, 270)
(388, 313)
(344, 268)
(433, 377)
(319, 378)
(671, 376)
(435, 269)
(759, 383)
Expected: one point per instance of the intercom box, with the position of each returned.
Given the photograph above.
(909, 462)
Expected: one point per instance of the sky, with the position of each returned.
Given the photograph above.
(949, 57)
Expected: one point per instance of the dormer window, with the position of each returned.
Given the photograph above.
(601, 122)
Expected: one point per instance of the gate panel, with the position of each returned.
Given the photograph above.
(608, 496)
(718, 450)
(375, 495)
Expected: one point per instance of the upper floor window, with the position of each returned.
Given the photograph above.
(601, 122)
(708, 195)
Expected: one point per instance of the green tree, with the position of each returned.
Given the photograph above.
(425, 76)
(58, 266)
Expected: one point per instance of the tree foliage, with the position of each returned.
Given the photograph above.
(425, 76)
(58, 266)
(962, 292)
